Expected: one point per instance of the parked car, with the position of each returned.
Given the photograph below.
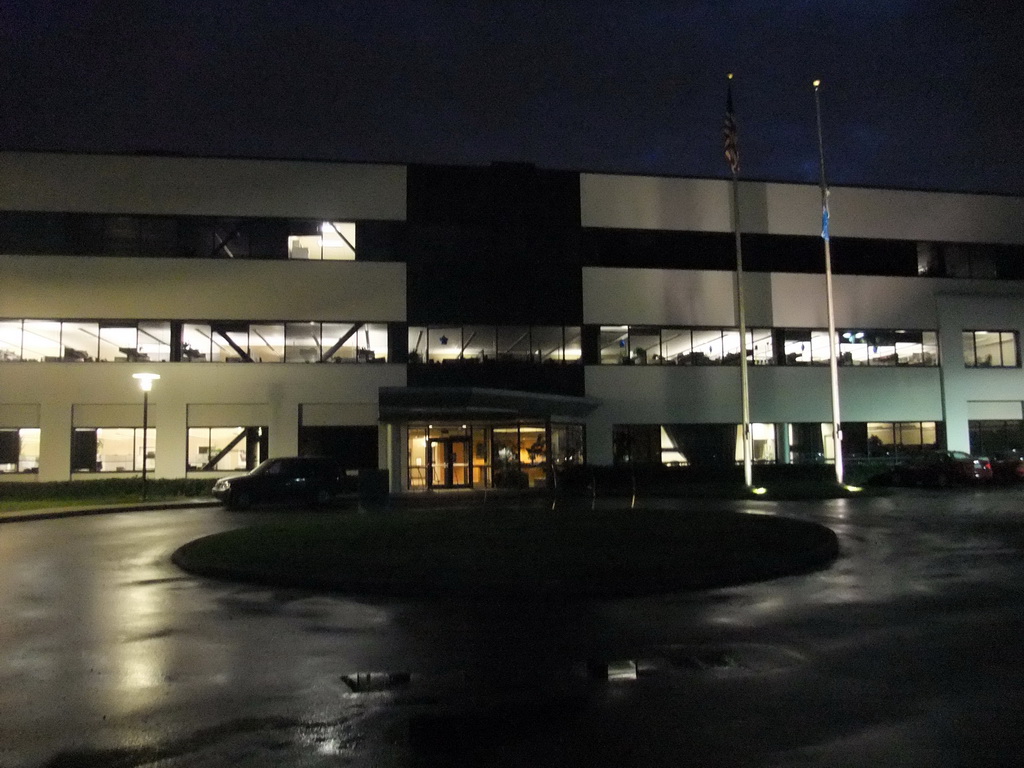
(1008, 467)
(309, 479)
(942, 468)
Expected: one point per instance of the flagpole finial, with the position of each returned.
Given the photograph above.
(729, 75)
(817, 84)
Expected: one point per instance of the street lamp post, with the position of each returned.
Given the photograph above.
(146, 383)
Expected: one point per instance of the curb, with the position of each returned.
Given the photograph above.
(53, 514)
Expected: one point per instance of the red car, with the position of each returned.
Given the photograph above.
(1008, 467)
(942, 468)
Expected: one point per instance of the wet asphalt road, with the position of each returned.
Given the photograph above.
(907, 652)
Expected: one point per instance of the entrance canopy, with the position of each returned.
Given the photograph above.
(398, 404)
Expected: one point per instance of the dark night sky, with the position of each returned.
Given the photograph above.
(917, 93)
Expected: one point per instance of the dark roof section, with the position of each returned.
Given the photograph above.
(420, 403)
(593, 170)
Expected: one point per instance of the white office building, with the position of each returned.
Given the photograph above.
(479, 327)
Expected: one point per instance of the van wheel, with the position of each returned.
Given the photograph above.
(240, 500)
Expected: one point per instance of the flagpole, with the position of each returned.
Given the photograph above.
(833, 360)
(732, 155)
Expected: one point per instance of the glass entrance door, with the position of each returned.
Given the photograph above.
(448, 462)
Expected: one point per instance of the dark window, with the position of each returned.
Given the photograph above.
(636, 444)
(861, 256)
(10, 446)
(996, 437)
(782, 253)
(379, 240)
(351, 447)
(650, 249)
(83, 451)
(34, 233)
(971, 260)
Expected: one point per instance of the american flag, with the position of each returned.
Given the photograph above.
(732, 152)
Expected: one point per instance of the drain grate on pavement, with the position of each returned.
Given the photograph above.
(375, 682)
(676, 659)
(660, 661)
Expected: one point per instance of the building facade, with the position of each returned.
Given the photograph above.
(480, 327)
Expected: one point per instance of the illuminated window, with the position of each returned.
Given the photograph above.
(514, 343)
(10, 339)
(644, 345)
(762, 439)
(990, 349)
(805, 346)
(549, 343)
(41, 341)
(196, 344)
(112, 449)
(333, 241)
(708, 346)
(19, 450)
(230, 342)
(266, 343)
(80, 341)
(885, 347)
(671, 453)
(573, 344)
(226, 449)
(444, 343)
(614, 341)
(887, 438)
(486, 343)
(313, 342)
(760, 346)
(119, 342)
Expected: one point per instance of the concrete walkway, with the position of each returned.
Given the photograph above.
(460, 498)
(104, 509)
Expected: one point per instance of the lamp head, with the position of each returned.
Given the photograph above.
(146, 380)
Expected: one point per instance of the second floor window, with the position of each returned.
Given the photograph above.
(503, 343)
(643, 345)
(991, 349)
(646, 345)
(884, 347)
(174, 341)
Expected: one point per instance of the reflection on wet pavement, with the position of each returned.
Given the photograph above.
(905, 652)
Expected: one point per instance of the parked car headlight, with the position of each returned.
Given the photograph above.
(223, 484)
